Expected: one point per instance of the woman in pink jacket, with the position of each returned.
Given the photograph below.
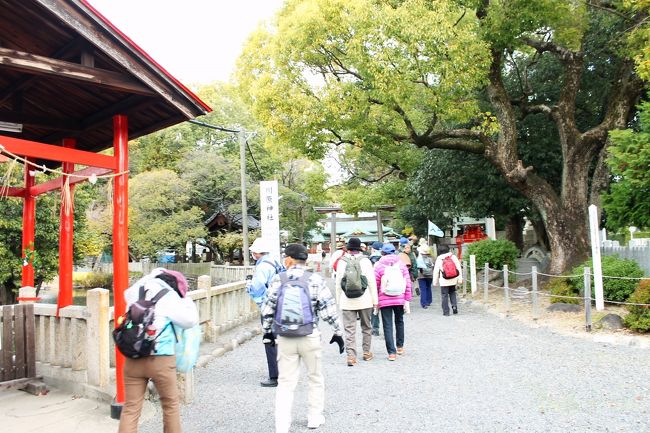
(392, 306)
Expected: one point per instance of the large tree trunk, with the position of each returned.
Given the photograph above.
(7, 294)
(565, 216)
(514, 231)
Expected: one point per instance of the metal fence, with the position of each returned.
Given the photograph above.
(489, 283)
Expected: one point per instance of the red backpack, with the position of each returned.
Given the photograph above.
(449, 269)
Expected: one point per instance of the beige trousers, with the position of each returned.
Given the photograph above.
(290, 351)
(137, 372)
(350, 328)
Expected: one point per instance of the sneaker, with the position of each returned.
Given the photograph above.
(270, 383)
(400, 351)
(367, 356)
(352, 361)
(392, 357)
(455, 310)
(315, 422)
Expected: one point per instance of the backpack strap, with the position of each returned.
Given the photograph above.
(159, 295)
(141, 293)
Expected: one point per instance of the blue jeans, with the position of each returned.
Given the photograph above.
(425, 291)
(387, 314)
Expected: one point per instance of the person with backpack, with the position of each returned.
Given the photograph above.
(155, 304)
(447, 273)
(425, 275)
(295, 300)
(356, 295)
(266, 267)
(335, 257)
(394, 292)
(375, 255)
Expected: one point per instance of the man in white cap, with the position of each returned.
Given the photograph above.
(266, 267)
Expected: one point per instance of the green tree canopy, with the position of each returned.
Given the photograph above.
(390, 77)
(160, 215)
(628, 201)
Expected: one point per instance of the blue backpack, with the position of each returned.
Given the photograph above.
(188, 342)
(293, 314)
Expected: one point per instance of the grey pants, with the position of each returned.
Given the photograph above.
(448, 294)
(350, 328)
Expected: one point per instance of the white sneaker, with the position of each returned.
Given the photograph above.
(316, 422)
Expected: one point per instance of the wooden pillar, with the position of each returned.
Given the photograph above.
(380, 228)
(66, 237)
(120, 235)
(29, 221)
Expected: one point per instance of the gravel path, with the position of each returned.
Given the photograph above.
(474, 372)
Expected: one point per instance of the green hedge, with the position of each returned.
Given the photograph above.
(639, 317)
(496, 253)
(93, 280)
(561, 287)
(613, 266)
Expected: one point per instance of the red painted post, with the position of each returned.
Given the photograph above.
(66, 237)
(29, 219)
(120, 235)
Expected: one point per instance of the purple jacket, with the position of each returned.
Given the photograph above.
(380, 266)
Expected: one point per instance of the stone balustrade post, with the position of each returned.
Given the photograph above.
(97, 337)
(27, 295)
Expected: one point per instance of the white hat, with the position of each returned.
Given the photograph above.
(424, 249)
(260, 245)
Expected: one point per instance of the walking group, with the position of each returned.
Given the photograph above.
(371, 285)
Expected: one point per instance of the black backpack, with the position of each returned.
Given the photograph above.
(136, 336)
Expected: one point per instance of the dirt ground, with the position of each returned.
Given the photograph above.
(570, 323)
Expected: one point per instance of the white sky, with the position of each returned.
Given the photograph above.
(197, 41)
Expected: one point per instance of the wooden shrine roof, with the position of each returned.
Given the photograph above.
(65, 71)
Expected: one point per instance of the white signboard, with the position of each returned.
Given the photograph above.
(270, 214)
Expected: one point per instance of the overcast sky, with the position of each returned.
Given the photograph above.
(197, 41)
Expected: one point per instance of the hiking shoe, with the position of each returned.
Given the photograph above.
(392, 357)
(367, 356)
(400, 351)
(455, 310)
(270, 383)
(352, 361)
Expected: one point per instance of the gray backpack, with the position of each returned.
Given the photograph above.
(353, 283)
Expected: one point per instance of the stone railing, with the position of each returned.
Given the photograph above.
(72, 350)
(226, 274)
(75, 351)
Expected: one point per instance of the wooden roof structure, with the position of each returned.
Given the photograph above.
(73, 85)
(65, 70)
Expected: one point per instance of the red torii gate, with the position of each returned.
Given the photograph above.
(72, 85)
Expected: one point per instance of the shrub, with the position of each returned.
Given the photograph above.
(496, 253)
(639, 317)
(561, 287)
(613, 266)
(92, 280)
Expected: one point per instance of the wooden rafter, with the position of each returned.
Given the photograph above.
(41, 122)
(26, 82)
(40, 65)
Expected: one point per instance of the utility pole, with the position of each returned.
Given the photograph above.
(244, 208)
